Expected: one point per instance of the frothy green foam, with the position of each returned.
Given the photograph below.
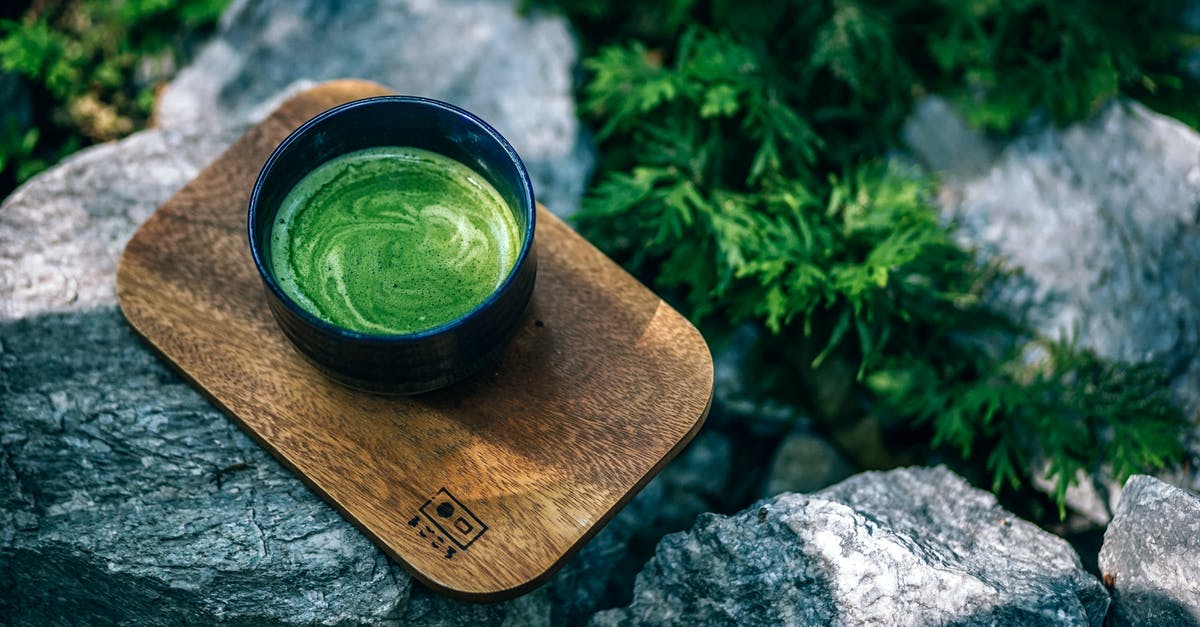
(392, 240)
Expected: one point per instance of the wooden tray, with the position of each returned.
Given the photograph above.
(482, 490)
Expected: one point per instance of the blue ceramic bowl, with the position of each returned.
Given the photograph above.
(430, 359)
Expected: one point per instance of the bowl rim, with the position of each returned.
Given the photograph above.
(257, 252)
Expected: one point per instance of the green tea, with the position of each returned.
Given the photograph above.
(392, 240)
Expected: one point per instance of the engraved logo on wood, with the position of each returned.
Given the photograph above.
(448, 524)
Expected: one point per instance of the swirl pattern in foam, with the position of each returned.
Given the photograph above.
(392, 240)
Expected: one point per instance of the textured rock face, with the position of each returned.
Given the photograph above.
(1151, 555)
(514, 72)
(731, 360)
(805, 462)
(1101, 217)
(110, 474)
(946, 143)
(61, 234)
(693, 482)
(910, 546)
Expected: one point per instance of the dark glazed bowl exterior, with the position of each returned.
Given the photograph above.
(416, 362)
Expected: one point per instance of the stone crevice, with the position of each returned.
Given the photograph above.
(262, 536)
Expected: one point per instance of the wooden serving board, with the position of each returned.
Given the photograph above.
(483, 489)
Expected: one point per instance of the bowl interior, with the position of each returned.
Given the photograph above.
(387, 121)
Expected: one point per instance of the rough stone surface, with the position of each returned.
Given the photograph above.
(513, 71)
(1101, 218)
(733, 401)
(945, 142)
(112, 508)
(805, 462)
(1151, 555)
(693, 482)
(62, 233)
(910, 546)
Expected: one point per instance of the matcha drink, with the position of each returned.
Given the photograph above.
(392, 240)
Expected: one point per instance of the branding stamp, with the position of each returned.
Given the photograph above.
(447, 524)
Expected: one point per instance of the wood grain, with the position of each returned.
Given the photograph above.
(603, 385)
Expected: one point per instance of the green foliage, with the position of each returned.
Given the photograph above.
(862, 61)
(1011, 58)
(1065, 410)
(16, 143)
(82, 59)
(744, 174)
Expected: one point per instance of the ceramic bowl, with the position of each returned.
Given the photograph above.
(429, 359)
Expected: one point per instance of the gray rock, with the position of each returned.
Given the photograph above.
(693, 483)
(110, 507)
(910, 546)
(62, 233)
(734, 398)
(1151, 555)
(109, 472)
(1100, 217)
(513, 71)
(805, 462)
(945, 142)
(1101, 220)
(1092, 497)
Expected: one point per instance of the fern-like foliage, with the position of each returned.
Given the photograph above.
(745, 173)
